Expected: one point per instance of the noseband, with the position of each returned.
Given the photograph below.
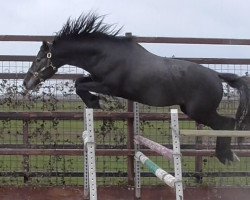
(49, 64)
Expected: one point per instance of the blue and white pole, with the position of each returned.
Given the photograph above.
(156, 170)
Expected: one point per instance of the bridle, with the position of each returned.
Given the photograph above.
(48, 65)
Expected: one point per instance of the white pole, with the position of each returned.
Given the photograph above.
(177, 154)
(137, 164)
(85, 172)
(89, 142)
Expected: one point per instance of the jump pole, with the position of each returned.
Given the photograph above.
(215, 133)
(160, 149)
(174, 182)
(90, 188)
(156, 170)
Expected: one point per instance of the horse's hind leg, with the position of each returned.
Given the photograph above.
(223, 144)
(211, 118)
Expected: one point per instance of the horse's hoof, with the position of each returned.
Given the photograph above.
(109, 102)
(103, 102)
(103, 105)
(235, 157)
(227, 157)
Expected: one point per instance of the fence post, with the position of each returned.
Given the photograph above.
(198, 159)
(130, 142)
(26, 165)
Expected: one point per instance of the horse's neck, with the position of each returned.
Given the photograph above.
(77, 53)
(98, 56)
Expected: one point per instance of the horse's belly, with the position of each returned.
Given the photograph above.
(155, 96)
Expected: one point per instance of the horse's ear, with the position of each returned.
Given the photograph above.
(45, 46)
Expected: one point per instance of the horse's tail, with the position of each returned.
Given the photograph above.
(243, 85)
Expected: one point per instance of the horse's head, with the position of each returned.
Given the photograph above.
(41, 69)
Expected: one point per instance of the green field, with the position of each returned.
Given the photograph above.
(67, 170)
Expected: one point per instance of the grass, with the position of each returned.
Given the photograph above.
(107, 132)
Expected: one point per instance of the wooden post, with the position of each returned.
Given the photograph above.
(130, 143)
(198, 159)
(26, 166)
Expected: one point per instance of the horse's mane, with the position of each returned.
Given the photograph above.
(90, 25)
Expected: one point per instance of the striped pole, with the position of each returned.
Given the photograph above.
(165, 152)
(155, 169)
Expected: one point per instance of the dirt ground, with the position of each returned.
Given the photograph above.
(122, 193)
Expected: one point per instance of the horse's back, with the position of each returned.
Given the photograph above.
(163, 82)
(195, 81)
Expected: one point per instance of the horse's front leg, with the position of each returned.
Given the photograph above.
(91, 100)
(84, 86)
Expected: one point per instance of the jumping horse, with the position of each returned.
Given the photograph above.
(120, 67)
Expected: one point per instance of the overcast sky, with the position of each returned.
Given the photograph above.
(170, 18)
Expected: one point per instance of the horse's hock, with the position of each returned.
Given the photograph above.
(41, 153)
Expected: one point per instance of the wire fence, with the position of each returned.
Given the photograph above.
(41, 144)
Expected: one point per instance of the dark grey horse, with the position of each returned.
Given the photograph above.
(121, 67)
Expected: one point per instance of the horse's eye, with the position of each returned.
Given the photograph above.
(38, 59)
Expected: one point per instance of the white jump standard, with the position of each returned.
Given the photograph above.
(89, 154)
(177, 154)
(172, 181)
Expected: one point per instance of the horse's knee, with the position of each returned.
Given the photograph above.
(90, 100)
